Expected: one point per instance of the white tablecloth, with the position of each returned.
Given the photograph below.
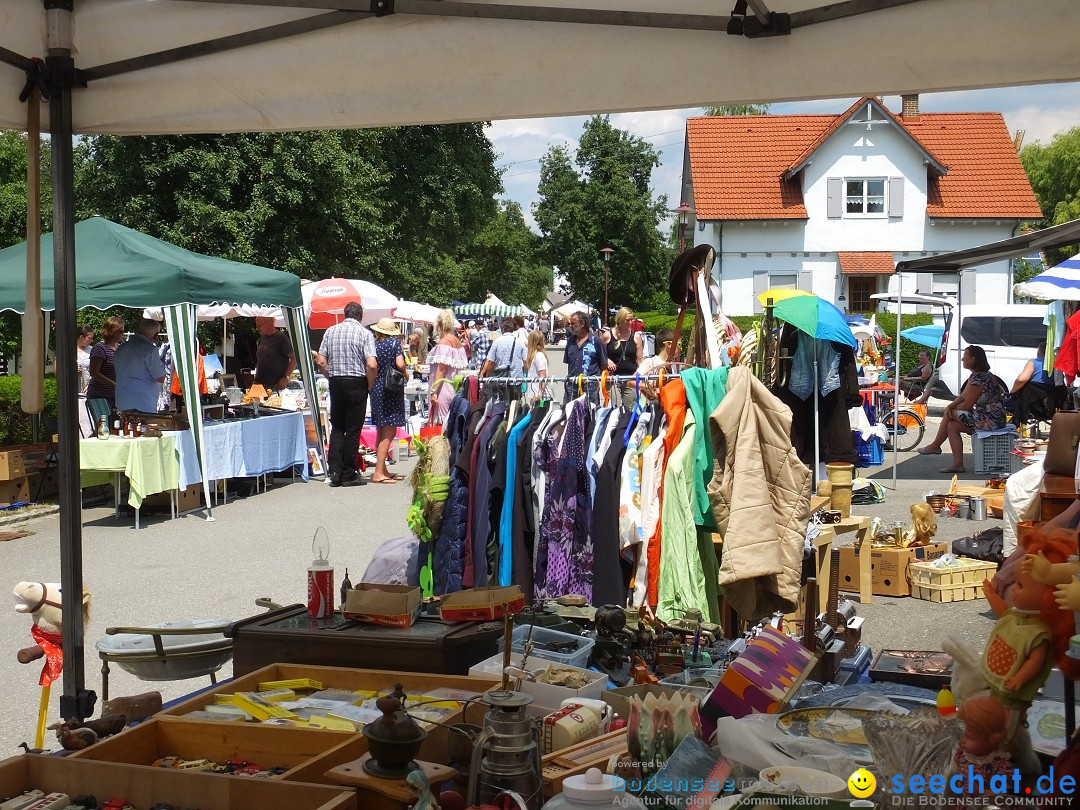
(245, 448)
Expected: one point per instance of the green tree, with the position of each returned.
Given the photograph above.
(397, 206)
(1054, 173)
(738, 109)
(601, 197)
(506, 259)
(13, 156)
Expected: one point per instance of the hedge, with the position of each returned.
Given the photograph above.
(909, 352)
(17, 427)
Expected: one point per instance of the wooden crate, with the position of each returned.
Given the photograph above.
(947, 593)
(267, 745)
(12, 464)
(964, 572)
(335, 677)
(145, 787)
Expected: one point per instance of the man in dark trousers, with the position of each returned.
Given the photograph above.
(347, 358)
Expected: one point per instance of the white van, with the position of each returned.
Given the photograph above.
(1010, 334)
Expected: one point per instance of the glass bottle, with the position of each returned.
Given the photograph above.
(103, 427)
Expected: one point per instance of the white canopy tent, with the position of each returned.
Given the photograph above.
(193, 66)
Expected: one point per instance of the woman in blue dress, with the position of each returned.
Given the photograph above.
(387, 407)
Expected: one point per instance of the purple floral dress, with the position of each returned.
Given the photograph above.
(564, 561)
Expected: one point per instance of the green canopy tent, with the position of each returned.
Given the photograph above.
(119, 266)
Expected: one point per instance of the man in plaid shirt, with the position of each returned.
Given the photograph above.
(481, 342)
(347, 357)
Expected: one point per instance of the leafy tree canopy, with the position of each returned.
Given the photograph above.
(598, 197)
(1054, 172)
(13, 188)
(738, 109)
(396, 206)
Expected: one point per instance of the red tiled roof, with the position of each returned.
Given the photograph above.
(737, 164)
(868, 263)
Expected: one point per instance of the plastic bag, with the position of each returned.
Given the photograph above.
(395, 563)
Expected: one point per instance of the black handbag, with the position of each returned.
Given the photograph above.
(986, 545)
(393, 381)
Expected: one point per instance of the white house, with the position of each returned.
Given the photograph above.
(829, 203)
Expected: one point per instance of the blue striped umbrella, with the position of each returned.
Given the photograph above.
(1060, 283)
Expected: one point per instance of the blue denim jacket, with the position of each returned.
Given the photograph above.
(802, 367)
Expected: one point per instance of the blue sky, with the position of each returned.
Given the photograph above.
(1040, 110)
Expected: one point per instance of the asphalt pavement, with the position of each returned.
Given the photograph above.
(260, 546)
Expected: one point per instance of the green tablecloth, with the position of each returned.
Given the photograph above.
(150, 464)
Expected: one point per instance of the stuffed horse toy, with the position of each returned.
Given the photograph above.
(42, 602)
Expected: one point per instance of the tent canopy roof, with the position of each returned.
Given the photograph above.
(1068, 233)
(119, 266)
(176, 66)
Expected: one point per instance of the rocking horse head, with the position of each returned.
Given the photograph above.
(42, 602)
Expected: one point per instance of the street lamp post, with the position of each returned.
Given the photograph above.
(684, 211)
(607, 261)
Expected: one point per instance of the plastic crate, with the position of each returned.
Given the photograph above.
(870, 452)
(541, 636)
(993, 452)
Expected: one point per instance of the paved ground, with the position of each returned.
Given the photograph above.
(261, 546)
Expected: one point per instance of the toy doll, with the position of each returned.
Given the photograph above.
(985, 730)
(923, 526)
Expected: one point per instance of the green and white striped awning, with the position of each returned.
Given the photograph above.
(488, 310)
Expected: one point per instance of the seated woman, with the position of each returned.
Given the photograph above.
(1033, 389)
(920, 376)
(980, 406)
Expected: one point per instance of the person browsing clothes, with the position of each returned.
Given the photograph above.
(585, 354)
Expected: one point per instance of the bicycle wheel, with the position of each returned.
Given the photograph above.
(909, 431)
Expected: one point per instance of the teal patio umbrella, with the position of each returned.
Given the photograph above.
(816, 317)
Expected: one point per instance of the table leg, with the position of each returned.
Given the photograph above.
(862, 546)
(116, 496)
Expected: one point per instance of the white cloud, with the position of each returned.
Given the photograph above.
(1040, 110)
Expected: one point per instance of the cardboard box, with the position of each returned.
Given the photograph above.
(35, 456)
(390, 605)
(481, 604)
(11, 464)
(546, 697)
(45, 483)
(17, 490)
(761, 680)
(888, 567)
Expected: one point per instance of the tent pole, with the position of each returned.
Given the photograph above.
(817, 425)
(76, 701)
(896, 373)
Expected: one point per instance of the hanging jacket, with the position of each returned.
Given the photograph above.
(449, 552)
(760, 496)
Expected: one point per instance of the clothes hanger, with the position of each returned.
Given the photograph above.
(604, 388)
(581, 385)
(635, 414)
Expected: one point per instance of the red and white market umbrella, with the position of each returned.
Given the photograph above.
(324, 301)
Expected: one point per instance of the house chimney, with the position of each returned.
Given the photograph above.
(909, 106)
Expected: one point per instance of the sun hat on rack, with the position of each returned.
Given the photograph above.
(386, 326)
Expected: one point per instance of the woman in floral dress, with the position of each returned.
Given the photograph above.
(980, 406)
(445, 361)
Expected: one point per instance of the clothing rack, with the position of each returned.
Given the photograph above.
(583, 378)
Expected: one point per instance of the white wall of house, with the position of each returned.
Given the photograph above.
(806, 249)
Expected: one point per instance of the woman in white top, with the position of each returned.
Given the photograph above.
(83, 342)
(537, 363)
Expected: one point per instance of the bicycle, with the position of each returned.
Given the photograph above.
(903, 422)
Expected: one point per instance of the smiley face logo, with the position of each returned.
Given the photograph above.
(861, 783)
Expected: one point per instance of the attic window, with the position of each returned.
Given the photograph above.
(864, 197)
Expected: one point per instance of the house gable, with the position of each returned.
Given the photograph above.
(750, 167)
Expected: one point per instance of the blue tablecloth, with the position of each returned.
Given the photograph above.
(245, 448)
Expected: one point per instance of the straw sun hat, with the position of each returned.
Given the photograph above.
(386, 326)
